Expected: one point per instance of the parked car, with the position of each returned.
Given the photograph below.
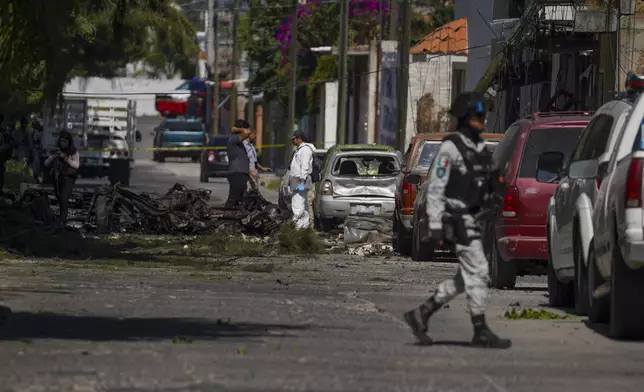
(515, 242)
(419, 156)
(614, 273)
(569, 225)
(356, 182)
(179, 132)
(214, 163)
(284, 198)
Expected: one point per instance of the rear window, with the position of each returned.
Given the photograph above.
(219, 141)
(543, 140)
(184, 126)
(428, 151)
(364, 165)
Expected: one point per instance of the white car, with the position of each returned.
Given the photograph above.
(615, 275)
(570, 227)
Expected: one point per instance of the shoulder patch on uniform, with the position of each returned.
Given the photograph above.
(443, 161)
(440, 172)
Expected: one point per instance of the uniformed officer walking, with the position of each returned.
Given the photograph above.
(461, 183)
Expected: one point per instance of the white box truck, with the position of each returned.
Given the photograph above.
(104, 131)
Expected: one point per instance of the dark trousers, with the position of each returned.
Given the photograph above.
(236, 189)
(63, 188)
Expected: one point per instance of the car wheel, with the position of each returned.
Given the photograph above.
(559, 293)
(402, 243)
(598, 311)
(160, 157)
(626, 299)
(503, 274)
(195, 159)
(419, 251)
(581, 284)
(203, 176)
(324, 225)
(155, 156)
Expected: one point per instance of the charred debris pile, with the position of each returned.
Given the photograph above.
(181, 211)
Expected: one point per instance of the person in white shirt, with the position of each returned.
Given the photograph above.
(64, 163)
(300, 179)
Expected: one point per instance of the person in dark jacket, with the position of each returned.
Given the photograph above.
(64, 163)
(238, 164)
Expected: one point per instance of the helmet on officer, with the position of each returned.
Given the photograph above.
(470, 110)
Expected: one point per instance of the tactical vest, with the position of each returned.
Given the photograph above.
(472, 187)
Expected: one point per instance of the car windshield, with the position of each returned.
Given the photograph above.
(365, 165)
(184, 126)
(563, 140)
(428, 151)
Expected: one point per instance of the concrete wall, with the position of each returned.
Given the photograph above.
(435, 77)
(478, 13)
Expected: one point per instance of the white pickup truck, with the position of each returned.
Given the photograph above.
(615, 272)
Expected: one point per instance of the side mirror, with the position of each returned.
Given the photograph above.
(585, 169)
(138, 137)
(550, 167)
(413, 179)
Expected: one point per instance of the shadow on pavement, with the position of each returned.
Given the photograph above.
(26, 326)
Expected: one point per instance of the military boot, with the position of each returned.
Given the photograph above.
(418, 320)
(484, 337)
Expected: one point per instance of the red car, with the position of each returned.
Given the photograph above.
(515, 242)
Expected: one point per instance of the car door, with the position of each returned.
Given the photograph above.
(601, 210)
(563, 200)
(597, 138)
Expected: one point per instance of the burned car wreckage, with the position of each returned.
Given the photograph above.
(110, 209)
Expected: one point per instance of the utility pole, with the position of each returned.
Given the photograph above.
(234, 65)
(293, 85)
(393, 20)
(251, 102)
(403, 74)
(214, 22)
(343, 82)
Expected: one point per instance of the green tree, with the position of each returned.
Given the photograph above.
(45, 43)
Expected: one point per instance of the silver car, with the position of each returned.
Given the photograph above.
(570, 227)
(356, 183)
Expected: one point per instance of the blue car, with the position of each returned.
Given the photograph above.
(180, 132)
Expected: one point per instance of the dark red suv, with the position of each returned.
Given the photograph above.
(515, 242)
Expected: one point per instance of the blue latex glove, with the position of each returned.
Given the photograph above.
(300, 188)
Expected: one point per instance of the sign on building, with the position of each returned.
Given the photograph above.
(388, 109)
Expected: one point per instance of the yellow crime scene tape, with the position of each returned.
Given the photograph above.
(181, 148)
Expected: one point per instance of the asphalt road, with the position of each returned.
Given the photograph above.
(331, 323)
(150, 176)
(325, 323)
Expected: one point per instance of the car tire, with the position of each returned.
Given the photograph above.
(419, 252)
(503, 274)
(203, 176)
(559, 294)
(598, 308)
(323, 225)
(626, 299)
(402, 244)
(581, 282)
(160, 157)
(195, 159)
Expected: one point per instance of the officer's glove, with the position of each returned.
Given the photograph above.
(300, 188)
